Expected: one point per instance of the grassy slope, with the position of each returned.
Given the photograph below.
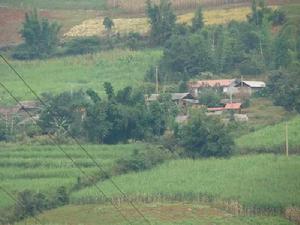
(157, 213)
(265, 181)
(120, 67)
(55, 4)
(45, 168)
(272, 138)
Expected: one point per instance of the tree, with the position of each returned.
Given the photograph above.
(205, 136)
(210, 98)
(63, 114)
(197, 21)
(109, 90)
(162, 21)
(41, 36)
(284, 88)
(108, 23)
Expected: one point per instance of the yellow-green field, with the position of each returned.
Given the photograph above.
(125, 25)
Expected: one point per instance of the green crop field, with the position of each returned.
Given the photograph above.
(44, 168)
(272, 138)
(55, 4)
(267, 182)
(157, 213)
(120, 67)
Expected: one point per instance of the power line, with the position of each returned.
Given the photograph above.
(65, 153)
(18, 203)
(78, 143)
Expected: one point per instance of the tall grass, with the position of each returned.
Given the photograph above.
(261, 181)
(44, 168)
(272, 138)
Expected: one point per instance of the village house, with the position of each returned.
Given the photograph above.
(195, 87)
(228, 86)
(178, 98)
(249, 87)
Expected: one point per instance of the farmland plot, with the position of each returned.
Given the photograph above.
(44, 168)
(266, 182)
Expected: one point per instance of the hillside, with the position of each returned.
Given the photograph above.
(257, 181)
(120, 67)
(272, 138)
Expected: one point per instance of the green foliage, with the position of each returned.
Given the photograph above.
(162, 21)
(29, 204)
(3, 130)
(205, 136)
(210, 98)
(108, 23)
(278, 17)
(40, 36)
(134, 40)
(197, 21)
(284, 88)
(140, 161)
(82, 46)
(252, 65)
(61, 196)
(63, 113)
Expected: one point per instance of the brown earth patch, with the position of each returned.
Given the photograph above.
(11, 21)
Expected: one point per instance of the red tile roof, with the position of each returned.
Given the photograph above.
(233, 106)
(215, 109)
(211, 83)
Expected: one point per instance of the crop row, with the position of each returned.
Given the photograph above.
(261, 181)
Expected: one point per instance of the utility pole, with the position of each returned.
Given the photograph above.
(286, 140)
(156, 78)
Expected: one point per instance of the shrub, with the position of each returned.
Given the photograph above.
(82, 46)
(205, 136)
(61, 196)
(139, 161)
(29, 204)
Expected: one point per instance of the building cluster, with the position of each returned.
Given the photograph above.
(234, 91)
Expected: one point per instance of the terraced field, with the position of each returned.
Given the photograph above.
(44, 168)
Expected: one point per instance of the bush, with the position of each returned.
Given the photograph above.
(84, 45)
(61, 196)
(205, 136)
(3, 131)
(140, 160)
(29, 204)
